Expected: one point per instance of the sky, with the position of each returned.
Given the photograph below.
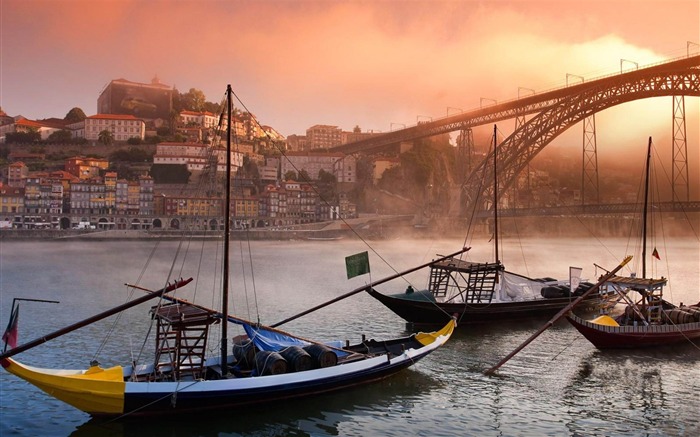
(378, 65)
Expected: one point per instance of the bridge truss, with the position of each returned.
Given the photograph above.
(552, 112)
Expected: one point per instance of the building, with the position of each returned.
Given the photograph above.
(297, 143)
(86, 168)
(21, 124)
(340, 165)
(140, 100)
(87, 197)
(195, 156)
(356, 135)
(192, 206)
(17, 173)
(122, 127)
(11, 202)
(323, 136)
(146, 206)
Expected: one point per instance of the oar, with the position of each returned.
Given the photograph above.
(368, 286)
(559, 315)
(95, 318)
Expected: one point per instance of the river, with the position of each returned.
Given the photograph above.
(558, 385)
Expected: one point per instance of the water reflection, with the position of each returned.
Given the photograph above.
(653, 392)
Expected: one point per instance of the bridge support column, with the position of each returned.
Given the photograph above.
(589, 174)
(681, 184)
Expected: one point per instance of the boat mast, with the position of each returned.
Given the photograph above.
(495, 196)
(227, 235)
(644, 214)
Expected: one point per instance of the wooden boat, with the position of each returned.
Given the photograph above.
(647, 320)
(264, 364)
(481, 292)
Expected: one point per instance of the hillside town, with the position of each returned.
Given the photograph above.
(309, 185)
(150, 158)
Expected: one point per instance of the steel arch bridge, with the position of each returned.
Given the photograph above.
(555, 111)
(514, 153)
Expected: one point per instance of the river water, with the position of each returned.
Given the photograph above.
(558, 385)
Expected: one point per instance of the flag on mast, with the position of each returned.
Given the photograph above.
(10, 335)
(655, 254)
(357, 264)
(574, 278)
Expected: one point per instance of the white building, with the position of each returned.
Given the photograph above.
(122, 127)
(194, 156)
(200, 119)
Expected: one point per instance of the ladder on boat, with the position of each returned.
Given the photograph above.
(181, 339)
(473, 282)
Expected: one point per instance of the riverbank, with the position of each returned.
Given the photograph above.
(388, 227)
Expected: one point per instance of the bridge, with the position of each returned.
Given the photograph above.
(606, 209)
(552, 113)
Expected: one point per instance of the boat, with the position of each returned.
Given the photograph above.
(647, 320)
(478, 292)
(260, 366)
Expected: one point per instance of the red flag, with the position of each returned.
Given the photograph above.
(10, 335)
(655, 254)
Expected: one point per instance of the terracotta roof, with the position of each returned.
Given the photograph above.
(28, 123)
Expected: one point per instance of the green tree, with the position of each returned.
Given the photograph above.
(290, 176)
(193, 100)
(134, 154)
(29, 137)
(105, 137)
(60, 136)
(170, 173)
(327, 185)
(304, 176)
(75, 115)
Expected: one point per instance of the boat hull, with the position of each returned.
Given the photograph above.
(429, 312)
(632, 337)
(110, 393)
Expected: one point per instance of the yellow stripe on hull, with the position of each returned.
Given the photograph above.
(95, 391)
(425, 338)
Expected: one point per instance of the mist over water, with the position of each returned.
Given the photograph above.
(558, 385)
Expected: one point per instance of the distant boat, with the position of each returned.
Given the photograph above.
(481, 292)
(336, 238)
(647, 320)
(262, 366)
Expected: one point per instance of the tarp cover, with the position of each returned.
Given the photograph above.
(267, 340)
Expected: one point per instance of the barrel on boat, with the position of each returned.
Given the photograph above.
(244, 352)
(270, 363)
(553, 291)
(297, 358)
(582, 288)
(677, 315)
(321, 355)
(695, 311)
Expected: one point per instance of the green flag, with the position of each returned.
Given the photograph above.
(357, 264)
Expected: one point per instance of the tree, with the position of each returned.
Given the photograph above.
(61, 136)
(105, 137)
(75, 115)
(29, 137)
(290, 176)
(170, 173)
(304, 176)
(327, 185)
(193, 100)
